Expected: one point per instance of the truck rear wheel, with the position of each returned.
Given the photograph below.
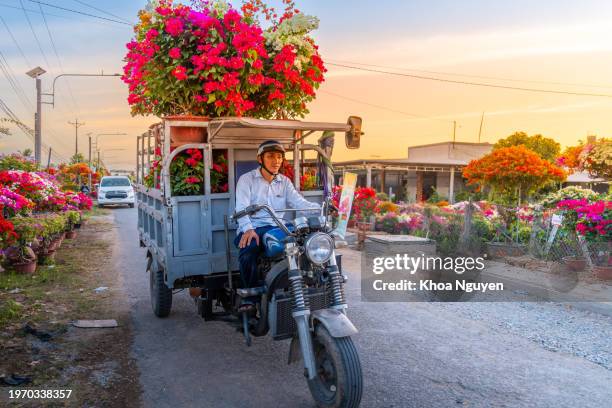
(161, 295)
(339, 382)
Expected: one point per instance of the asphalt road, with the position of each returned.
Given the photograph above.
(412, 354)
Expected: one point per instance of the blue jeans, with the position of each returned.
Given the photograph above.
(247, 258)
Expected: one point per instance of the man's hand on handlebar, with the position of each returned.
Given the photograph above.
(246, 238)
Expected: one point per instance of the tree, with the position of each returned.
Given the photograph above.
(512, 172)
(26, 152)
(545, 147)
(597, 159)
(570, 158)
(77, 158)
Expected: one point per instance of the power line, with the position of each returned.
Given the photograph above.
(477, 76)
(481, 84)
(59, 15)
(10, 77)
(80, 12)
(59, 62)
(28, 131)
(415, 116)
(16, 43)
(34, 33)
(102, 11)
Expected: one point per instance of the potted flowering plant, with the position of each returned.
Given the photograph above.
(21, 256)
(213, 60)
(71, 218)
(187, 172)
(595, 225)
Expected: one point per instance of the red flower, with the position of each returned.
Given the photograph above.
(174, 26)
(192, 180)
(179, 73)
(175, 53)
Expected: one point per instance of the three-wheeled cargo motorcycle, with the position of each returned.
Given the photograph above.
(189, 241)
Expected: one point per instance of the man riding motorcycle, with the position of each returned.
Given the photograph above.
(264, 185)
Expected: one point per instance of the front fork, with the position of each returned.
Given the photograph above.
(301, 308)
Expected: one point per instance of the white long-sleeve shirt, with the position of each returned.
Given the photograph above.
(253, 188)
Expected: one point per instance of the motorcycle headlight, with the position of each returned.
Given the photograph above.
(319, 248)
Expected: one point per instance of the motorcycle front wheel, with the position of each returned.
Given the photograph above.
(339, 382)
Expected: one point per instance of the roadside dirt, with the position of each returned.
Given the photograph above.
(40, 342)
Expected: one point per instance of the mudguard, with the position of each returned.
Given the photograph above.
(277, 271)
(336, 322)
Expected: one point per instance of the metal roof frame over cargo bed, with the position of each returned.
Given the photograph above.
(187, 236)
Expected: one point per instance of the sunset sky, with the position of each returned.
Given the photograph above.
(554, 45)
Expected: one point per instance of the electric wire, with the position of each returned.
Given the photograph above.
(34, 33)
(413, 115)
(59, 62)
(102, 11)
(80, 12)
(10, 77)
(476, 76)
(15, 42)
(64, 17)
(481, 84)
(28, 131)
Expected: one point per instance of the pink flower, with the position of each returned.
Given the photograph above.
(174, 26)
(175, 53)
(180, 73)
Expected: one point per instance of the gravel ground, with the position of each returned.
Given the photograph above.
(554, 326)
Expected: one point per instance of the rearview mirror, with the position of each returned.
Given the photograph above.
(353, 136)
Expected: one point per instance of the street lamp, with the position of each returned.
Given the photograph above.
(36, 73)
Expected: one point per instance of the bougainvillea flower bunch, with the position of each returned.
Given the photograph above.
(592, 220)
(219, 175)
(77, 201)
(213, 60)
(596, 158)
(7, 232)
(568, 193)
(510, 169)
(16, 161)
(187, 173)
(13, 202)
(365, 203)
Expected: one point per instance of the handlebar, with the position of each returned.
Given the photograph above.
(252, 209)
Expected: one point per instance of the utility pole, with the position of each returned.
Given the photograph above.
(36, 73)
(89, 156)
(480, 130)
(89, 159)
(454, 131)
(49, 159)
(76, 125)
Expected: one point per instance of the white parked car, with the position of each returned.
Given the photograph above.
(115, 190)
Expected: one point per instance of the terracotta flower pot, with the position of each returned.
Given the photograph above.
(25, 268)
(45, 257)
(71, 234)
(575, 263)
(603, 272)
(180, 135)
